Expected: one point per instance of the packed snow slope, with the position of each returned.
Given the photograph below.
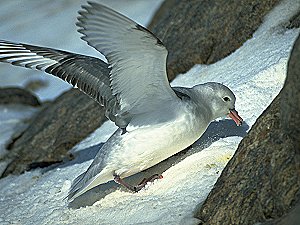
(255, 72)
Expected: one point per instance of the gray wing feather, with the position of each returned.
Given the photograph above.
(76, 185)
(89, 74)
(136, 57)
(95, 168)
(84, 179)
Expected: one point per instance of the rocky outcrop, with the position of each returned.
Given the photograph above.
(55, 130)
(14, 95)
(205, 31)
(294, 21)
(261, 182)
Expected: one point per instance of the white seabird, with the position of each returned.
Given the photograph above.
(155, 121)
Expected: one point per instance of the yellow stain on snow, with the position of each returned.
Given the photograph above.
(220, 159)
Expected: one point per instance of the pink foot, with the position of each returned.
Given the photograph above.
(138, 187)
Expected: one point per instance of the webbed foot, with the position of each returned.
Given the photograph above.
(138, 187)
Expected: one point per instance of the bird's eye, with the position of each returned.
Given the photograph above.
(226, 99)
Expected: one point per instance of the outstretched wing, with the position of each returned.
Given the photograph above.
(137, 58)
(89, 74)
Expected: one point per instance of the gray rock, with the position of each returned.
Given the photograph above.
(205, 31)
(15, 95)
(262, 180)
(290, 104)
(54, 131)
(294, 21)
(292, 218)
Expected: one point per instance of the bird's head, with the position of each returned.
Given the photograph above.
(220, 99)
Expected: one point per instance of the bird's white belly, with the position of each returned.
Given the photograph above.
(145, 147)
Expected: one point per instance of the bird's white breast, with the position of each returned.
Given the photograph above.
(146, 146)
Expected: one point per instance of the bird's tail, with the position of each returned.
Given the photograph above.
(76, 186)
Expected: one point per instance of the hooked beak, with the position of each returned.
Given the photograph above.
(235, 116)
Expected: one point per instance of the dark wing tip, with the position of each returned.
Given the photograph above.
(143, 29)
(79, 24)
(87, 7)
(92, 3)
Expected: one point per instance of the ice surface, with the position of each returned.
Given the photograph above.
(255, 72)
